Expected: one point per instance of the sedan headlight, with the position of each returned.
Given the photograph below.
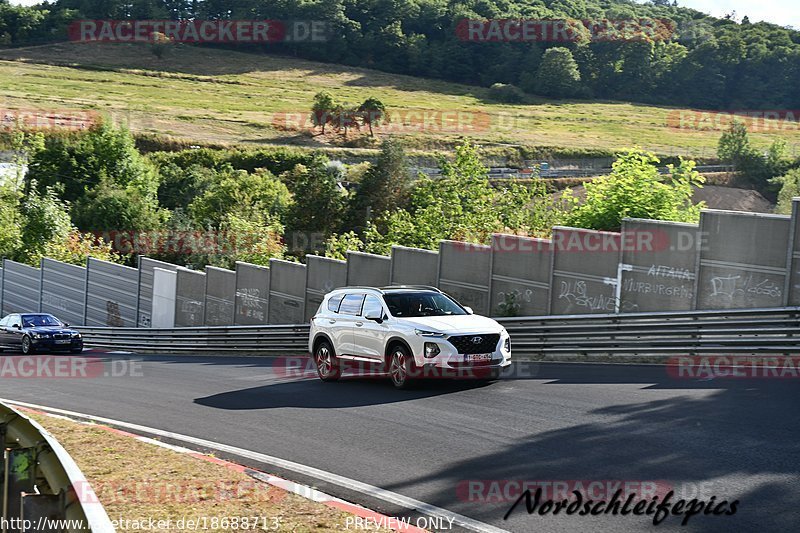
(423, 333)
(41, 335)
(76, 335)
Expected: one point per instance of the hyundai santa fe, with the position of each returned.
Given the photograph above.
(408, 332)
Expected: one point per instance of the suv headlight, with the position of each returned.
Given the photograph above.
(423, 333)
(507, 344)
(431, 350)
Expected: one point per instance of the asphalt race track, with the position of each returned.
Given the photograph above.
(736, 439)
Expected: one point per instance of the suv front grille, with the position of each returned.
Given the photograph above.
(466, 344)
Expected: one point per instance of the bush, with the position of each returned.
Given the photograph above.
(636, 189)
(506, 93)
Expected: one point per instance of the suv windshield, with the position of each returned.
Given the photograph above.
(30, 321)
(416, 304)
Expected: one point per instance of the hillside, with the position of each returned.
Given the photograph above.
(212, 95)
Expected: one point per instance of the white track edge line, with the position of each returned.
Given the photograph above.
(329, 477)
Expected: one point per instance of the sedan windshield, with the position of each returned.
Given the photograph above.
(31, 321)
(417, 304)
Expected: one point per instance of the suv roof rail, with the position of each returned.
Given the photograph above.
(358, 287)
(426, 287)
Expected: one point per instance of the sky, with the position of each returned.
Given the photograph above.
(783, 12)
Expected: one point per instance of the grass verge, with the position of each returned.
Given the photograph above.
(137, 482)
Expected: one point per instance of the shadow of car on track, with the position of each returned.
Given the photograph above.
(348, 392)
(738, 442)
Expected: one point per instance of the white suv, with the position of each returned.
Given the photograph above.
(406, 331)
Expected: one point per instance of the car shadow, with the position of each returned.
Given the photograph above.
(311, 393)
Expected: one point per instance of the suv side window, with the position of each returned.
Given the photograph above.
(334, 301)
(4, 322)
(351, 304)
(372, 307)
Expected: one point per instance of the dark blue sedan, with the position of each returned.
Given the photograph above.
(33, 332)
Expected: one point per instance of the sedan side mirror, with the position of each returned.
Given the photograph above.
(17, 326)
(469, 310)
(66, 325)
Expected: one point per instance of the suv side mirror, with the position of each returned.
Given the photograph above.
(376, 318)
(469, 310)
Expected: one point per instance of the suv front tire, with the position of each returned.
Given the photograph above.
(401, 367)
(328, 367)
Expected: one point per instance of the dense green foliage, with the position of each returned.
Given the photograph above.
(636, 189)
(234, 214)
(706, 62)
(790, 188)
(755, 168)
(459, 205)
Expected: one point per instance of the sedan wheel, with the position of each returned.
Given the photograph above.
(27, 345)
(327, 365)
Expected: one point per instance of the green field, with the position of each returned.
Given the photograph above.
(218, 96)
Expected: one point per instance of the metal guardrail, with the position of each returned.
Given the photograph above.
(265, 340)
(41, 483)
(765, 331)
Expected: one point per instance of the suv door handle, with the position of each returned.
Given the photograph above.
(359, 324)
(331, 321)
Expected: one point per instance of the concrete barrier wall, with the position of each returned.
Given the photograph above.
(742, 261)
(64, 291)
(520, 275)
(21, 288)
(111, 294)
(793, 257)
(163, 297)
(220, 295)
(413, 266)
(287, 292)
(252, 294)
(368, 270)
(322, 276)
(190, 297)
(464, 273)
(144, 304)
(584, 272)
(662, 257)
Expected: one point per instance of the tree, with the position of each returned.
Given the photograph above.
(636, 189)
(558, 75)
(78, 164)
(346, 117)
(734, 144)
(320, 203)
(257, 196)
(372, 111)
(323, 109)
(384, 187)
(10, 220)
(46, 218)
(790, 188)
(110, 207)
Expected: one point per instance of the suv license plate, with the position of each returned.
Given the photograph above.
(63, 341)
(478, 357)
